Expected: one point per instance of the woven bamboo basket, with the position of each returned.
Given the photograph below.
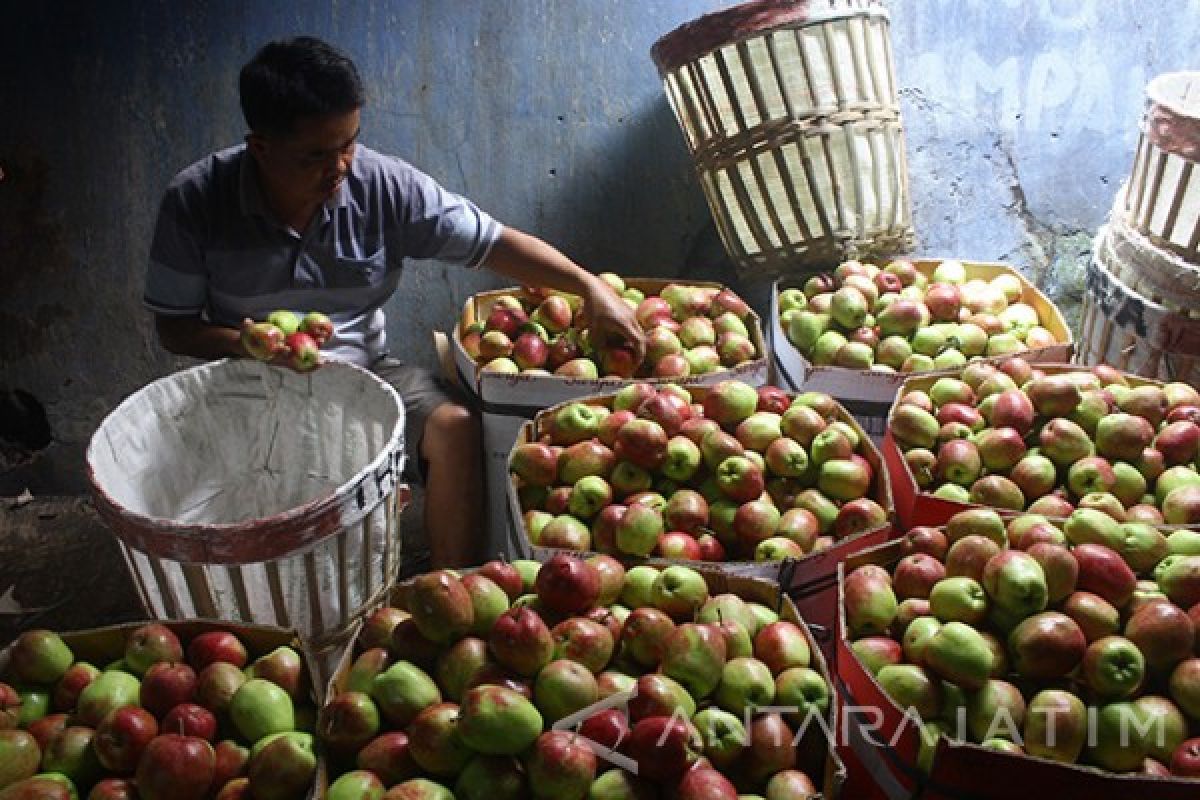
(1148, 269)
(1162, 199)
(1128, 330)
(790, 112)
(254, 494)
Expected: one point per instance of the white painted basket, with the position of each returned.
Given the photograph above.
(1162, 200)
(791, 115)
(1130, 331)
(256, 494)
(1147, 268)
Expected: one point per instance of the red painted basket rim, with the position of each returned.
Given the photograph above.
(711, 31)
(251, 540)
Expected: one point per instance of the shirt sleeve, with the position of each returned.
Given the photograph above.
(440, 224)
(176, 279)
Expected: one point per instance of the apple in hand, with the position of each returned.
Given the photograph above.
(262, 340)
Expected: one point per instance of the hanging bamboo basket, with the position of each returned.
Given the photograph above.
(790, 112)
(1162, 199)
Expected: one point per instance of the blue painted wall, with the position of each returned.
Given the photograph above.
(1021, 118)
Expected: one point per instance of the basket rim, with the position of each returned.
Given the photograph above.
(1160, 92)
(252, 540)
(716, 29)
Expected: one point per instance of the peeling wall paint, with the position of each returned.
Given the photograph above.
(1021, 118)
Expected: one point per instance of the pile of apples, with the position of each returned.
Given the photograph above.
(1015, 438)
(485, 687)
(896, 319)
(1063, 643)
(746, 473)
(690, 330)
(301, 337)
(163, 722)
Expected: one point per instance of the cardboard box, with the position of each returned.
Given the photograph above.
(915, 507)
(810, 581)
(508, 401)
(816, 756)
(883, 744)
(101, 646)
(868, 394)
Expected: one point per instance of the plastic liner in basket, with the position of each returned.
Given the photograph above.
(251, 493)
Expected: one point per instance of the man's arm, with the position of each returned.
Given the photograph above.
(532, 262)
(192, 336)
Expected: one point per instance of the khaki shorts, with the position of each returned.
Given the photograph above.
(422, 391)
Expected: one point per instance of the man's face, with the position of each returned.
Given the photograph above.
(309, 164)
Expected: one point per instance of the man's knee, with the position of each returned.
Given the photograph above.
(450, 427)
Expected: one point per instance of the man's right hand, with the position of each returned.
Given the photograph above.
(264, 348)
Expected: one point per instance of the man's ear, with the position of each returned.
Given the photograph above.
(256, 143)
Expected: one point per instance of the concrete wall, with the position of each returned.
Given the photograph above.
(1021, 118)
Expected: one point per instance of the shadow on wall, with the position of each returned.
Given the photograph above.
(648, 182)
(637, 196)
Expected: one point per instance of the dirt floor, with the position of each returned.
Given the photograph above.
(60, 568)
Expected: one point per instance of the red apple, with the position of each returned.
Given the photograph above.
(122, 736)
(166, 685)
(567, 585)
(213, 646)
(175, 767)
(189, 719)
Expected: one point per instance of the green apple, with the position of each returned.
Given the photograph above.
(528, 570)
(637, 590)
(959, 599)
(727, 607)
(722, 735)
(917, 636)
(746, 683)
(402, 692)
(679, 591)
(1120, 737)
(35, 704)
(19, 756)
(282, 765)
(498, 721)
(1056, 726)
(491, 777)
(110, 690)
(995, 710)
(617, 784)
(912, 687)
(763, 616)
(260, 708)
(958, 653)
(694, 655)
(359, 784)
(563, 687)
(1015, 581)
(804, 689)
(39, 656)
(1184, 542)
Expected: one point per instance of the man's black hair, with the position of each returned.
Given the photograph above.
(292, 79)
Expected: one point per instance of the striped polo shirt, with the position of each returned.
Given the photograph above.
(219, 252)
